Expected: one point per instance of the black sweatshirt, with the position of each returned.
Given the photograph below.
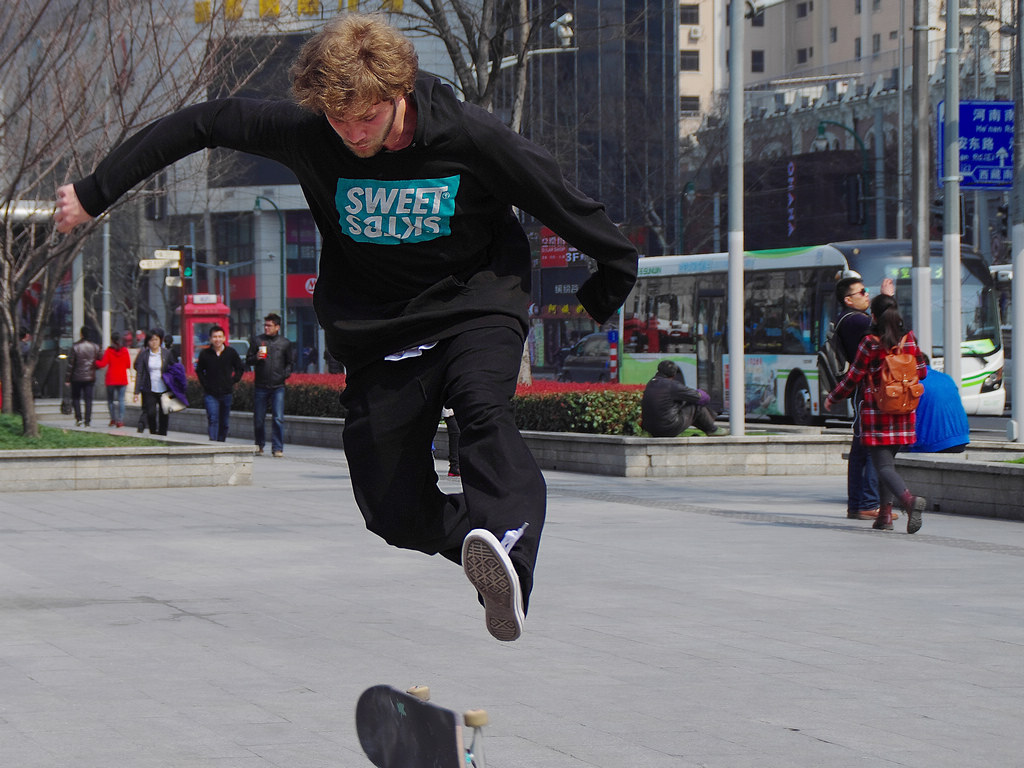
(418, 244)
(218, 374)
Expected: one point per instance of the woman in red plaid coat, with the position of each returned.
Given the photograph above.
(884, 433)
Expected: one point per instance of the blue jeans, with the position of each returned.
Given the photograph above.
(861, 478)
(115, 402)
(259, 415)
(218, 415)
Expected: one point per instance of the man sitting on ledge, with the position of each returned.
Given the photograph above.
(669, 407)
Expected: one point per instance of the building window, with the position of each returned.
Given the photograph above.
(689, 61)
(758, 19)
(876, 43)
(833, 34)
(300, 242)
(689, 105)
(757, 61)
(689, 13)
(801, 10)
(894, 35)
(233, 240)
(856, 48)
(876, 5)
(856, 6)
(801, 56)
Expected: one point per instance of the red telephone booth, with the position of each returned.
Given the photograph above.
(201, 312)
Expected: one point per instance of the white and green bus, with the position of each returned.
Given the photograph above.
(677, 311)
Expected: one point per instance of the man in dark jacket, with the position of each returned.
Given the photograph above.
(218, 369)
(669, 407)
(82, 374)
(270, 355)
(424, 282)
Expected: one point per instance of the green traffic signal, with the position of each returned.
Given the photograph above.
(186, 271)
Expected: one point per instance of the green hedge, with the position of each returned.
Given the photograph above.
(301, 398)
(606, 410)
(601, 412)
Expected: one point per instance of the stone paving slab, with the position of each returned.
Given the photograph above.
(725, 622)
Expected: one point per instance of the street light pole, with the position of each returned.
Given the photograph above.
(951, 201)
(284, 262)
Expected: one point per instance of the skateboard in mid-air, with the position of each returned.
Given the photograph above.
(402, 729)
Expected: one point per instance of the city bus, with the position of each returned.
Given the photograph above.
(677, 310)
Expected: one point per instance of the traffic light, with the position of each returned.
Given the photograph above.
(186, 268)
(1003, 220)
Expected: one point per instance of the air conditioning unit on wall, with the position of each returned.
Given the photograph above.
(696, 33)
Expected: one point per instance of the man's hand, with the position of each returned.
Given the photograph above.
(888, 287)
(70, 212)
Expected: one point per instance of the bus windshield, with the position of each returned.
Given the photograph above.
(979, 315)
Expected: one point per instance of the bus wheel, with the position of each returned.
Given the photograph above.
(798, 400)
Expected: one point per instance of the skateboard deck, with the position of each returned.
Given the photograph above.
(399, 730)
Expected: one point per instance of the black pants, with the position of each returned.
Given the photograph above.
(392, 418)
(82, 390)
(156, 419)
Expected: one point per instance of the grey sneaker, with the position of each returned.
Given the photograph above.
(914, 515)
(489, 569)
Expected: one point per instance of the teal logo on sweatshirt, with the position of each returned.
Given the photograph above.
(396, 212)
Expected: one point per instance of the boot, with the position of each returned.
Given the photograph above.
(884, 520)
(914, 506)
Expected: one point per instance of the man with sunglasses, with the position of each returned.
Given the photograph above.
(851, 326)
(424, 282)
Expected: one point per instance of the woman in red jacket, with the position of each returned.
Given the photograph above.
(119, 361)
(884, 433)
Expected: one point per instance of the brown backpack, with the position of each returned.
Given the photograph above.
(899, 387)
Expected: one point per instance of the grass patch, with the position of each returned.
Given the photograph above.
(11, 438)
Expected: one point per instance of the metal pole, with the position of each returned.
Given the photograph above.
(105, 312)
(1017, 242)
(901, 121)
(921, 245)
(951, 202)
(880, 221)
(737, 372)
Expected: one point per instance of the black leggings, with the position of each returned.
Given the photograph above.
(891, 486)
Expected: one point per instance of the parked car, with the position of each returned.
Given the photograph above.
(588, 360)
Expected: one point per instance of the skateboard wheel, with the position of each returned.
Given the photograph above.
(475, 718)
(421, 692)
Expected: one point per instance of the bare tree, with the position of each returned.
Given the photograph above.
(76, 78)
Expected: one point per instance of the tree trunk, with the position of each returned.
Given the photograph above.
(29, 419)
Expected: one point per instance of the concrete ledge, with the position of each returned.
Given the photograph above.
(130, 467)
(964, 487)
(298, 430)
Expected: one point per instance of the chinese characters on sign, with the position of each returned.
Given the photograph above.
(986, 144)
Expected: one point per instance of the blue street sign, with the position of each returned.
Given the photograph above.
(986, 144)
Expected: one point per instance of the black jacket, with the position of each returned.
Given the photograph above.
(668, 406)
(851, 327)
(82, 361)
(271, 371)
(418, 244)
(218, 374)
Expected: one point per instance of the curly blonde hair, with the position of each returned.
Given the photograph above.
(355, 62)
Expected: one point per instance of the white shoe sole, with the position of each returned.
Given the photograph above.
(489, 569)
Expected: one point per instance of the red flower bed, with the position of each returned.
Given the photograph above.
(551, 387)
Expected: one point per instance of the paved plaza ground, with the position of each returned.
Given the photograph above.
(725, 622)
